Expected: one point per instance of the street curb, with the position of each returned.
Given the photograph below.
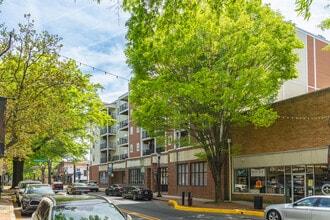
(214, 210)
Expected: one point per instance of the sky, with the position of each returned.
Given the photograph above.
(94, 34)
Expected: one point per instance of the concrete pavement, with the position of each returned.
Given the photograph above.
(6, 205)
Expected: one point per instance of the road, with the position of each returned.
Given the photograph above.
(158, 210)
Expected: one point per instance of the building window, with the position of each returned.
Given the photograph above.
(131, 130)
(138, 147)
(163, 176)
(131, 148)
(198, 174)
(183, 174)
(169, 140)
(136, 176)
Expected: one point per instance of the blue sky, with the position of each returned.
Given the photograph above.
(94, 34)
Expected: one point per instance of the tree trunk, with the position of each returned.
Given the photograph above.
(217, 186)
(18, 167)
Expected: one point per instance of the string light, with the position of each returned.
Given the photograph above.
(94, 68)
(304, 117)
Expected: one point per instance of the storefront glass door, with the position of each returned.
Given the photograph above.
(299, 186)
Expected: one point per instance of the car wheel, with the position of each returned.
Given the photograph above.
(134, 197)
(23, 213)
(273, 215)
(106, 193)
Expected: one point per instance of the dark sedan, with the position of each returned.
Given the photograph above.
(115, 190)
(137, 192)
(32, 196)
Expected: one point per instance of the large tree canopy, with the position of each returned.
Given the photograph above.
(202, 65)
(54, 105)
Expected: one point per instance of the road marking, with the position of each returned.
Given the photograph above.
(139, 215)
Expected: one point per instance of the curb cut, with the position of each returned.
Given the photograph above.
(214, 210)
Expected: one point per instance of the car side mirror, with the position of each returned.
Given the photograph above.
(129, 217)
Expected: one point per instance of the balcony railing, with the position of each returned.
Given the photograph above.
(123, 140)
(123, 107)
(119, 157)
(145, 134)
(123, 123)
(111, 146)
(110, 130)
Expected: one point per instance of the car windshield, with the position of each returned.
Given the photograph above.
(90, 210)
(39, 190)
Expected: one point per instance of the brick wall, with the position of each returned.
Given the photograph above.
(302, 124)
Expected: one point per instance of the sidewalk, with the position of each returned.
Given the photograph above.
(6, 205)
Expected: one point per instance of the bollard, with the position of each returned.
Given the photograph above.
(189, 199)
(182, 203)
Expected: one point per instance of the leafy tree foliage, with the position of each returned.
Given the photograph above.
(55, 106)
(203, 65)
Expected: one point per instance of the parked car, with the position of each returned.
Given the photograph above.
(137, 192)
(92, 184)
(21, 187)
(77, 188)
(77, 207)
(312, 207)
(115, 190)
(57, 186)
(32, 196)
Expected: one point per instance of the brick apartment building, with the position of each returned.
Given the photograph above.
(284, 162)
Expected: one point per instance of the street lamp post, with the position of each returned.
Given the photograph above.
(158, 177)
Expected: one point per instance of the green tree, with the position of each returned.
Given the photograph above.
(203, 65)
(54, 104)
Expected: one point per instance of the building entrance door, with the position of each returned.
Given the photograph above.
(299, 186)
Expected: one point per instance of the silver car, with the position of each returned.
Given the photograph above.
(311, 208)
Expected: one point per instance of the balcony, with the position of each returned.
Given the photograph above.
(123, 109)
(123, 124)
(110, 146)
(119, 157)
(103, 160)
(123, 140)
(108, 130)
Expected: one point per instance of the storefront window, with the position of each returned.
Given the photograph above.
(322, 180)
(257, 180)
(241, 180)
(275, 180)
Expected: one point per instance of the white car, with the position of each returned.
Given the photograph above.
(240, 188)
(309, 208)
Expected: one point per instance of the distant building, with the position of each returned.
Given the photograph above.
(68, 172)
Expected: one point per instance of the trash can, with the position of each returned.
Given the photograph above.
(258, 202)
